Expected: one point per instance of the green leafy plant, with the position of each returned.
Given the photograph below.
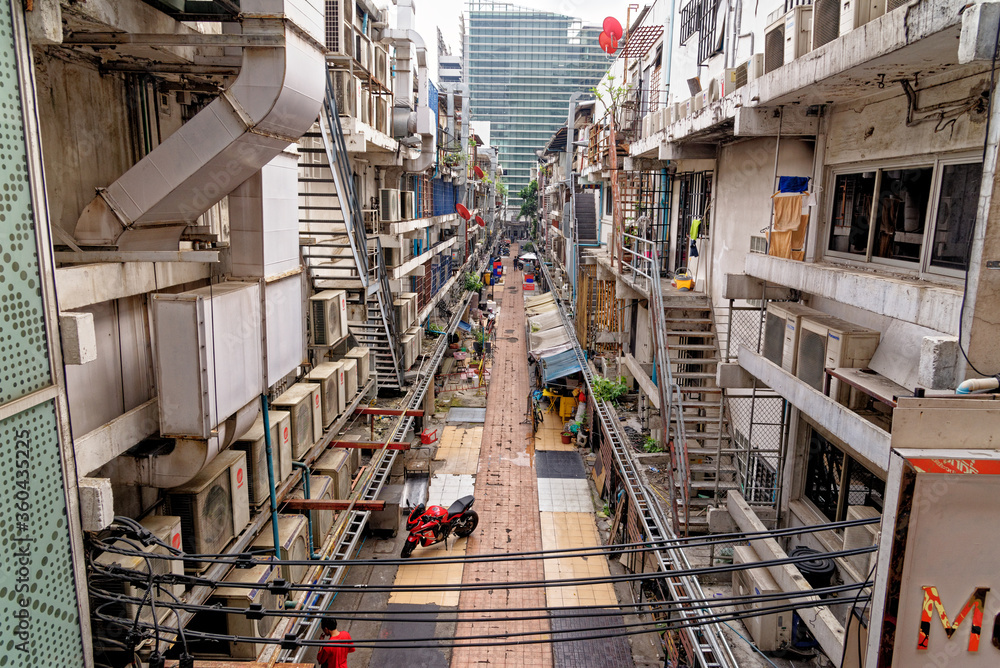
(651, 445)
(529, 202)
(535, 328)
(480, 335)
(473, 283)
(609, 390)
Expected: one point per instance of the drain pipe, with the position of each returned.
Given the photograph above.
(270, 479)
(309, 513)
(977, 385)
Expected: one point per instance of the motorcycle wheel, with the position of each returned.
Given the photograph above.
(466, 524)
(407, 550)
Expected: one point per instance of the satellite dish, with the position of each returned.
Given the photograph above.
(462, 211)
(613, 28)
(608, 43)
(482, 223)
(479, 172)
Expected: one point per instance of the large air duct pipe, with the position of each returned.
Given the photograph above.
(190, 456)
(272, 103)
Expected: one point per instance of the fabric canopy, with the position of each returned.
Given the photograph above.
(559, 365)
(548, 338)
(529, 256)
(537, 300)
(546, 352)
(540, 323)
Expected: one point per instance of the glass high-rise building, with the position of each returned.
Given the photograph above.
(522, 65)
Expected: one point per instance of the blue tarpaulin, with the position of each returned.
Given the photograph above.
(560, 365)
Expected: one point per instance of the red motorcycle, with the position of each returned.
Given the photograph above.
(428, 526)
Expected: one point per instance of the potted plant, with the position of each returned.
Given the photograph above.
(480, 340)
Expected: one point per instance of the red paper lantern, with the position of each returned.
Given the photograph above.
(479, 172)
(482, 223)
(462, 211)
(613, 28)
(608, 43)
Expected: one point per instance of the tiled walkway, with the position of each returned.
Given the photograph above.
(507, 499)
(527, 501)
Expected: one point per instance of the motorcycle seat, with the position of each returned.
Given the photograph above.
(461, 505)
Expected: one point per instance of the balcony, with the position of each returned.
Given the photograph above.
(933, 306)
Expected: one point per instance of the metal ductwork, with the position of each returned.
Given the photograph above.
(190, 456)
(409, 46)
(273, 102)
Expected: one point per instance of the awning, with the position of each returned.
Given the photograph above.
(560, 365)
(540, 323)
(548, 338)
(544, 298)
(528, 256)
(548, 352)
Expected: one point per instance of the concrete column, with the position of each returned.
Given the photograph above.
(982, 300)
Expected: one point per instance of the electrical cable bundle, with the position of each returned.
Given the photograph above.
(140, 629)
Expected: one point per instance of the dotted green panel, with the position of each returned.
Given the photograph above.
(25, 365)
(38, 606)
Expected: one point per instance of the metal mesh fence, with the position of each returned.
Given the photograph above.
(744, 330)
(757, 424)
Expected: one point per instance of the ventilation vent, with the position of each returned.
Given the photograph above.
(826, 22)
(774, 47)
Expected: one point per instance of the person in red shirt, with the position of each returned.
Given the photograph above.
(334, 655)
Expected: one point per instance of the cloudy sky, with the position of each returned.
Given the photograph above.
(432, 14)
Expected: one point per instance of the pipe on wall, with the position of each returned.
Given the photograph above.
(190, 456)
(274, 101)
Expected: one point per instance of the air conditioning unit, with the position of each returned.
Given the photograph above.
(381, 65)
(242, 597)
(770, 632)
(388, 201)
(864, 535)
(293, 533)
(328, 317)
(407, 210)
(253, 444)
(829, 342)
(330, 376)
(320, 487)
(303, 401)
(336, 463)
(826, 22)
(214, 506)
(350, 366)
(646, 120)
(345, 89)
(739, 76)
(798, 32)
(781, 332)
(363, 356)
(167, 528)
(363, 53)
(339, 35)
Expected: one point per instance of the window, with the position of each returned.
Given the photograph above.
(919, 215)
(608, 201)
(835, 481)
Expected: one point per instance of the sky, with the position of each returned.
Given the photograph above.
(433, 14)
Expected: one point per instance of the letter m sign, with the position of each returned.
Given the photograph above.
(932, 603)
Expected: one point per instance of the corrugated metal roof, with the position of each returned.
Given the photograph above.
(560, 365)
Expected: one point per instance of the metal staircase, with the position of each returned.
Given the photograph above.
(336, 247)
(693, 407)
(704, 643)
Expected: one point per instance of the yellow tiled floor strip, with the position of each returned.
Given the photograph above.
(549, 435)
(416, 573)
(458, 451)
(562, 531)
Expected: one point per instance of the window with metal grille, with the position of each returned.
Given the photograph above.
(835, 481)
(690, 14)
(708, 42)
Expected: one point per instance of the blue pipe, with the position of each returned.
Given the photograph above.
(309, 513)
(270, 477)
(364, 23)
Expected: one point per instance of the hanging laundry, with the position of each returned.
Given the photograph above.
(695, 226)
(780, 244)
(787, 212)
(793, 184)
(693, 251)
